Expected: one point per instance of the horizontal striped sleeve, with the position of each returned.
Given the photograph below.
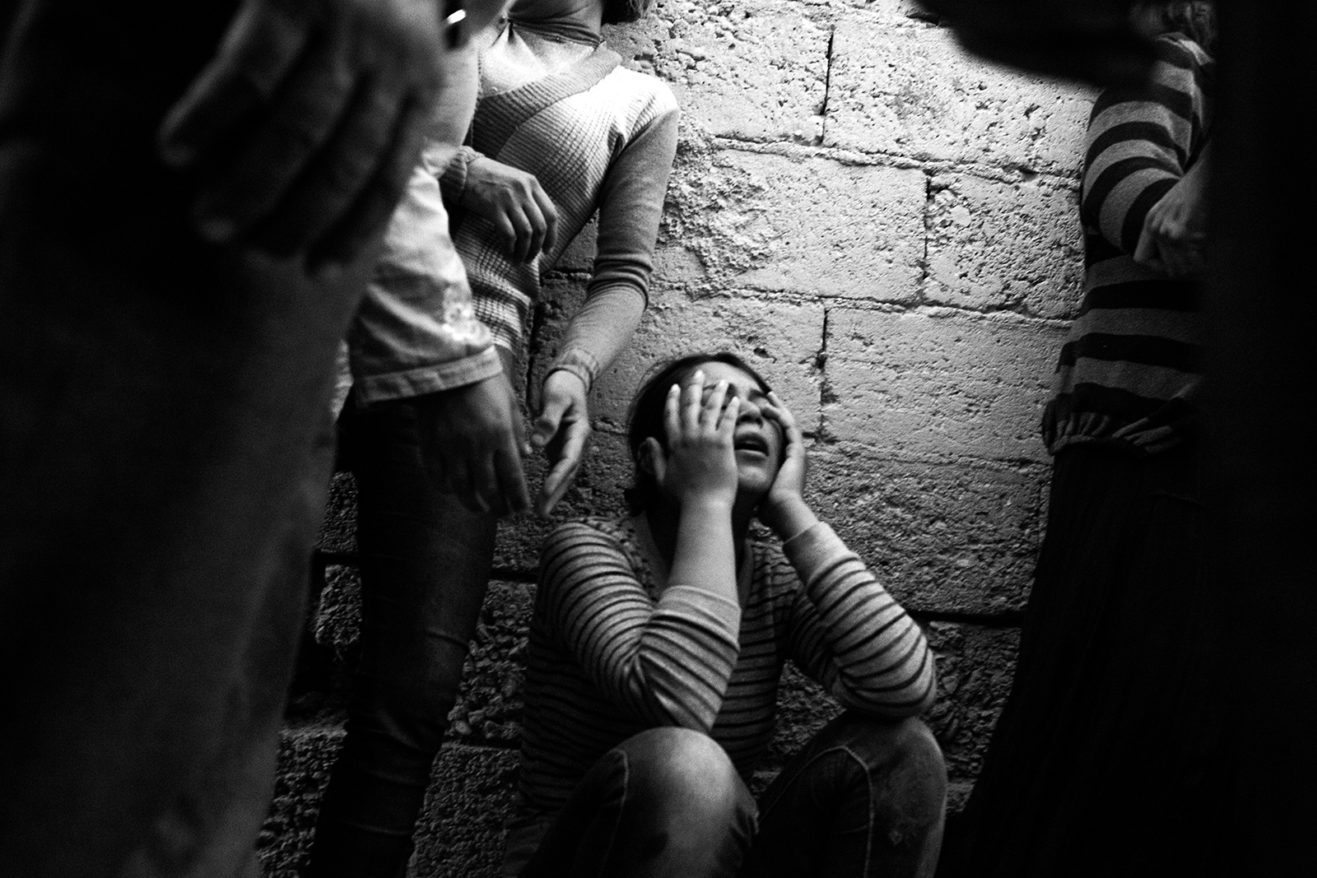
(1139, 143)
(847, 632)
(664, 662)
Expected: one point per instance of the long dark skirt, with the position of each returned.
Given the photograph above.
(1106, 759)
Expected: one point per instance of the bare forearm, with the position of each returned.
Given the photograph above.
(705, 555)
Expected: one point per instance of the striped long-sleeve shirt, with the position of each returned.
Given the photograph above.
(1130, 368)
(612, 654)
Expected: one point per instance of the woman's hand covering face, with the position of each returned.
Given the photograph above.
(790, 480)
(699, 464)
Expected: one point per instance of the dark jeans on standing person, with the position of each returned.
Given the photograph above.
(865, 797)
(425, 562)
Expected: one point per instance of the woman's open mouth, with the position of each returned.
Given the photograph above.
(751, 442)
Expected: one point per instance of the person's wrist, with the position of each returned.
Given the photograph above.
(787, 515)
(704, 501)
(568, 380)
(579, 362)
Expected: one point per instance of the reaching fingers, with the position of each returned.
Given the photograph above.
(546, 425)
(556, 483)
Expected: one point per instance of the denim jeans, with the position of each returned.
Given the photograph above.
(425, 563)
(865, 797)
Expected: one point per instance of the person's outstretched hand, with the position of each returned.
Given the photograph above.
(562, 430)
(699, 465)
(473, 442)
(784, 509)
(303, 128)
(1174, 231)
(515, 202)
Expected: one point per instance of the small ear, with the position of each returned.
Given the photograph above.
(648, 455)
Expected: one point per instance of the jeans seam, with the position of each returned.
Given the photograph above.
(795, 776)
(869, 799)
(621, 809)
(849, 753)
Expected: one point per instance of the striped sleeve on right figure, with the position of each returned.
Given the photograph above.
(1130, 367)
(1140, 142)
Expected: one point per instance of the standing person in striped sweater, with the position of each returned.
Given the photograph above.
(560, 131)
(656, 649)
(1103, 761)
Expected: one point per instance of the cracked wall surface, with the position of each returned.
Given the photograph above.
(887, 228)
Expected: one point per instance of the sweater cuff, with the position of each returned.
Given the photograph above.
(814, 547)
(452, 182)
(578, 362)
(697, 604)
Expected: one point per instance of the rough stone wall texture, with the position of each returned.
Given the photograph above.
(887, 228)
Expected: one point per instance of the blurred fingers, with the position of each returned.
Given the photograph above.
(513, 494)
(329, 184)
(258, 51)
(375, 203)
(298, 122)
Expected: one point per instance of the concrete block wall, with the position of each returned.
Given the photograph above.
(887, 228)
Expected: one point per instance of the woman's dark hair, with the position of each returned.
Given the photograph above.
(623, 11)
(1196, 19)
(645, 418)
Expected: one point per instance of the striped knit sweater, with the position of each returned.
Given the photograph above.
(593, 142)
(1129, 371)
(611, 654)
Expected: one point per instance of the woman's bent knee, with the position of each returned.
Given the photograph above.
(686, 777)
(902, 761)
(685, 799)
(909, 787)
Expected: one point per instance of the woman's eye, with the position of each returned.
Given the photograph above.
(731, 394)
